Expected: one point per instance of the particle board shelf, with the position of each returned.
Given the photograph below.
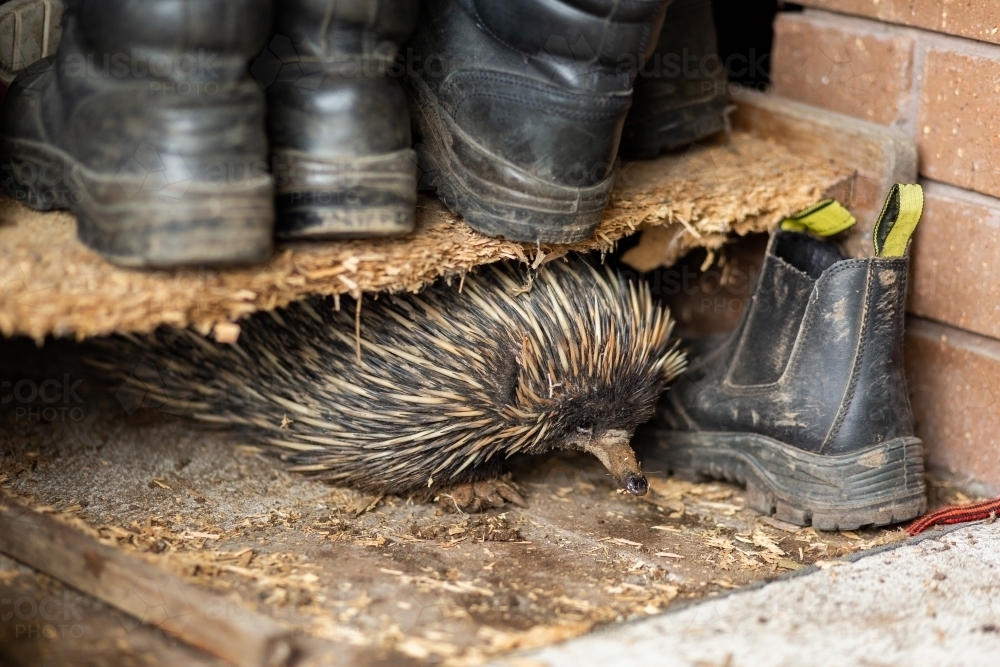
(51, 285)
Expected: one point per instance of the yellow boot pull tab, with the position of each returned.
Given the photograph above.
(824, 218)
(898, 220)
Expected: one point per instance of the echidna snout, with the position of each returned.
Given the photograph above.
(636, 484)
(613, 450)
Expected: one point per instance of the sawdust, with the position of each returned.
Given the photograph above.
(485, 528)
(50, 284)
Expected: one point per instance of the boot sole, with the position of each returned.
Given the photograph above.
(876, 486)
(346, 197)
(535, 211)
(674, 129)
(126, 222)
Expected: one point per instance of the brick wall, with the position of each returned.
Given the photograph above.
(931, 68)
(975, 19)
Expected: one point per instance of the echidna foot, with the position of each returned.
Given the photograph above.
(473, 497)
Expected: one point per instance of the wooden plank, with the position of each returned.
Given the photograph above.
(76, 629)
(880, 155)
(152, 595)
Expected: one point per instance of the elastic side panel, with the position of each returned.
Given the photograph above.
(779, 302)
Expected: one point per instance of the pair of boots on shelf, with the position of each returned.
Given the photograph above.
(149, 125)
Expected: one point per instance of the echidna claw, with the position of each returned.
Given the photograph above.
(510, 494)
(479, 496)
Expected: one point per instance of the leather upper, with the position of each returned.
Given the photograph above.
(684, 67)
(816, 363)
(543, 85)
(163, 83)
(333, 90)
(182, 40)
(328, 28)
(566, 39)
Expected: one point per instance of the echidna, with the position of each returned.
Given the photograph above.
(450, 382)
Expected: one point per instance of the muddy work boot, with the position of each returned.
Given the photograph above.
(147, 125)
(806, 401)
(519, 107)
(338, 118)
(680, 93)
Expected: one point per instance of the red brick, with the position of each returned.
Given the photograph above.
(954, 382)
(956, 278)
(958, 124)
(976, 19)
(857, 67)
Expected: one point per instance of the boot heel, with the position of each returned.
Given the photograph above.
(206, 226)
(758, 499)
(468, 181)
(202, 224)
(674, 129)
(367, 196)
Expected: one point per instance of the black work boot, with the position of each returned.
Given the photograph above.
(806, 400)
(147, 126)
(338, 118)
(680, 93)
(519, 106)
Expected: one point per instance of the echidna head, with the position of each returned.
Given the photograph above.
(612, 448)
(589, 355)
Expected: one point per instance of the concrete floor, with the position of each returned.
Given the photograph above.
(934, 603)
